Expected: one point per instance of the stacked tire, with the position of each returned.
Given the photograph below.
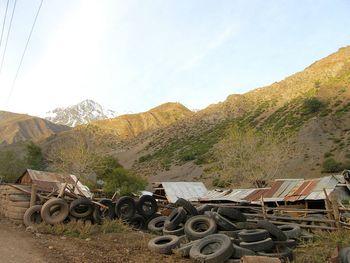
(14, 202)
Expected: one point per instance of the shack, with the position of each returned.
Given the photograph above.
(50, 182)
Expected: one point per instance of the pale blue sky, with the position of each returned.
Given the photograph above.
(133, 55)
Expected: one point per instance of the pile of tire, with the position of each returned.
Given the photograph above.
(13, 203)
(59, 210)
(222, 234)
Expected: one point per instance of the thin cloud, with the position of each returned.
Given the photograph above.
(217, 42)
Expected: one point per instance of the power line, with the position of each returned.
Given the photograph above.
(24, 52)
(3, 24)
(7, 37)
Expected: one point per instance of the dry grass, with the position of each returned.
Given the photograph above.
(321, 249)
(83, 229)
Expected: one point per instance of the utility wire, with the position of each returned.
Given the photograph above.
(3, 24)
(7, 37)
(24, 52)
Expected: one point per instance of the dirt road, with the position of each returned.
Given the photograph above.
(19, 246)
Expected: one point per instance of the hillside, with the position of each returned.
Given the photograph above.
(184, 150)
(131, 125)
(81, 113)
(21, 127)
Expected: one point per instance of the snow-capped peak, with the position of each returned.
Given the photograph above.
(81, 113)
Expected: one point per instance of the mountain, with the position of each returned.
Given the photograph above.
(81, 113)
(311, 106)
(131, 125)
(16, 127)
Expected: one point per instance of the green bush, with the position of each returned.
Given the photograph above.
(312, 105)
(331, 166)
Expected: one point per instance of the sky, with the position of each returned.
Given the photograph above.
(132, 55)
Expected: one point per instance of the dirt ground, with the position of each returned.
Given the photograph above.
(19, 246)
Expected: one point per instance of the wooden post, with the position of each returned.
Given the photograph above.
(114, 196)
(336, 213)
(328, 205)
(263, 206)
(33, 195)
(62, 190)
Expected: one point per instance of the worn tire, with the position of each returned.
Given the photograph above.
(290, 243)
(125, 207)
(285, 253)
(138, 222)
(108, 212)
(147, 206)
(291, 231)
(246, 225)
(97, 217)
(241, 252)
(164, 244)
(179, 231)
(19, 198)
(81, 208)
(189, 208)
(231, 234)
(232, 214)
(223, 250)
(258, 246)
(60, 216)
(200, 226)
(176, 217)
(252, 235)
(32, 216)
(184, 250)
(275, 232)
(223, 223)
(203, 208)
(156, 225)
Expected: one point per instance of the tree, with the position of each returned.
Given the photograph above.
(123, 181)
(251, 156)
(11, 166)
(81, 152)
(34, 157)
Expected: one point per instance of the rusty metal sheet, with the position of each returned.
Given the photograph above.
(310, 187)
(276, 185)
(256, 194)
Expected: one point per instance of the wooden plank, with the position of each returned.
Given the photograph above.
(291, 218)
(336, 213)
(33, 195)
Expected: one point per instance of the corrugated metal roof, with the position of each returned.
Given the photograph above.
(233, 195)
(49, 181)
(185, 190)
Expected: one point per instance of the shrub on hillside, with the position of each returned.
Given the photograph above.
(312, 105)
(331, 166)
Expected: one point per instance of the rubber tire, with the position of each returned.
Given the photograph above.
(203, 208)
(32, 215)
(222, 222)
(180, 231)
(221, 254)
(191, 230)
(184, 250)
(19, 198)
(176, 217)
(147, 199)
(138, 222)
(97, 217)
(286, 253)
(246, 225)
(130, 202)
(46, 211)
(232, 214)
(291, 231)
(231, 234)
(275, 232)
(344, 255)
(156, 225)
(173, 242)
(240, 252)
(110, 212)
(258, 246)
(290, 243)
(81, 202)
(190, 209)
(253, 235)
